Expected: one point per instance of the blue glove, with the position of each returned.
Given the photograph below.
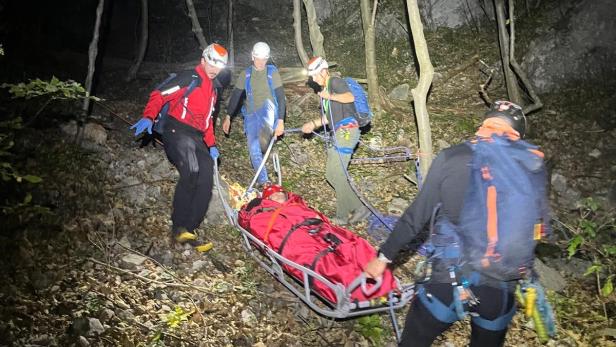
(141, 125)
(214, 152)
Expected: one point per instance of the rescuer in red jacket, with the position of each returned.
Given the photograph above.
(189, 100)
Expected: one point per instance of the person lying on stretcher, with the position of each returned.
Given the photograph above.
(288, 226)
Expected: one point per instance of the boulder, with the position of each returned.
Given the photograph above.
(581, 45)
(549, 278)
(400, 92)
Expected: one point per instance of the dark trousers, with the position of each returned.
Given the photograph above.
(421, 328)
(186, 150)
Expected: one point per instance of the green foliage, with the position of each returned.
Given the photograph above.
(54, 88)
(371, 328)
(176, 317)
(594, 239)
(156, 340)
(1, 50)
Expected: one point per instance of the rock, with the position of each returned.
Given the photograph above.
(167, 258)
(216, 212)
(70, 128)
(96, 328)
(442, 144)
(595, 153)
(397, 206)
(133, 260)
(583, 48)
(106, 315)
(573, 267)
(611, 195)
(198, 265)
(400, 92)
(39, 280)
(126, 315)
(125, 242)
(559, 183)
(549, 278)
(570, 199)
(162, 170)
(80, 326)
(249, 318)
(83, 342)
(388, 26)
(95, 134)
(451, 13)
(259, 344)
(134, 190)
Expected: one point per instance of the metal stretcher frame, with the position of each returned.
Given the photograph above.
(344, 307)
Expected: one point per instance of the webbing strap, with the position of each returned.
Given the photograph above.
(497, 324)
(440, 311)
(272, 220)
(305, 222)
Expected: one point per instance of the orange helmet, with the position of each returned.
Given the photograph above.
(216, 55)
(270, 189)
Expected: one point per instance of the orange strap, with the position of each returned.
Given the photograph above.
(492, 223)
(272, 220)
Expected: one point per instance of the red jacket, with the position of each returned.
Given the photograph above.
(195, 110)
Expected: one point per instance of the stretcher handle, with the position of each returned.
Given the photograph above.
(361, 281)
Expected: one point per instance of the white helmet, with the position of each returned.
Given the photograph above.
(316, 64)
(261, 50)
(216, 55)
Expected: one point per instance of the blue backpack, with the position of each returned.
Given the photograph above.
(364, 114)
(502, 217)
(270, 82)
(159, 121)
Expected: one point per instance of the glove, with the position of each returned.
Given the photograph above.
(141, 125)
(214, 152)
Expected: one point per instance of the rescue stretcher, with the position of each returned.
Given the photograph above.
(274, 263)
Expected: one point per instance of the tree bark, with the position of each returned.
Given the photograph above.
(513, 90)
(297, 25)
(370, 51)
(143, 42)
(316, 38)
(196, 27)
(420, 92)
(92, 53)
(230, 35)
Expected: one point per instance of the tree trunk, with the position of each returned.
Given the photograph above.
(370, 51)
(196, 27)
(513, 90)
(536, 101)
(143, 42)
(297, 25)
(92, 52)
(230, 34)
(420, 92)
(316, 38)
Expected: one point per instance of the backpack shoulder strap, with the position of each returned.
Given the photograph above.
(270, 82)
(194, 83)
(248, 90)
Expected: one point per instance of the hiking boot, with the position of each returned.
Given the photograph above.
(359, 215)
(183, 236)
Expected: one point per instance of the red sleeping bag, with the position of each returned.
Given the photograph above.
(306, 237)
